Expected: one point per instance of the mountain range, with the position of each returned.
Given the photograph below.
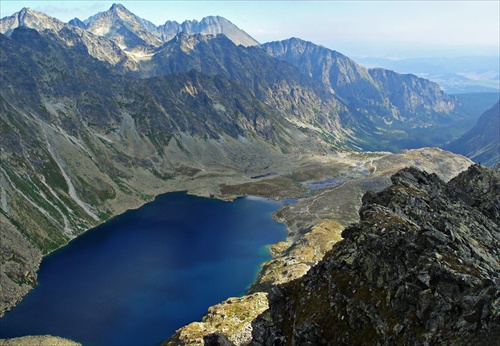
(100, 115)
(398, 106)
(122, 26)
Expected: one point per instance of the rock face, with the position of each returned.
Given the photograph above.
(314, 225)
(227, 323)
(482, 142)
(421, 267)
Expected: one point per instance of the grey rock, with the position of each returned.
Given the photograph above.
(409, 284)
(217, 339)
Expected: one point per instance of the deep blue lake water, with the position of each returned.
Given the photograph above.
(140, 276)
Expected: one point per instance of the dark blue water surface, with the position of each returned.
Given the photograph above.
(137, 278)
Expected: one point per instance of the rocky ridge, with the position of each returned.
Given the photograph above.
(104, 22)
(212, 25)
(422, 266)
(118, 36)
(369, 89)
(370, 94)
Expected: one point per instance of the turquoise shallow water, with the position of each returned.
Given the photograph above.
(137, 278)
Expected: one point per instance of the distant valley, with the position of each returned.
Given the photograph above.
(100, 115)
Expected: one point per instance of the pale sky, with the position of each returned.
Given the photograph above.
(356, 28)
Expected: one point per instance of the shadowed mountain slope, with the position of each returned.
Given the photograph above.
(482, 142)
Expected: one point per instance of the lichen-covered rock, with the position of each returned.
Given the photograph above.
(39, 340)
(231, 320)
(421, 267)
(293, 260)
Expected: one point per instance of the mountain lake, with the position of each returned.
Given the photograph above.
(140, 276)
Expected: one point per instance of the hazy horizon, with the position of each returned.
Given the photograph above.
(389, 29)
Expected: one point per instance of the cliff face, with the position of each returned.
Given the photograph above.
(421, 267)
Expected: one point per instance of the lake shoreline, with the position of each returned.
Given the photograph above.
(101, 232)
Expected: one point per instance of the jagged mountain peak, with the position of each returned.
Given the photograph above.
(29, 18)
(24, 10)
(123, 27)
(115, 10)
(210, 25)
(77, 22)
(118, 7)
(120, 11)
(127, 30)
(130, 31)
(73, 33)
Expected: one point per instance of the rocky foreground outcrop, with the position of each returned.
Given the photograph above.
(43, 340)
(422, 267)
